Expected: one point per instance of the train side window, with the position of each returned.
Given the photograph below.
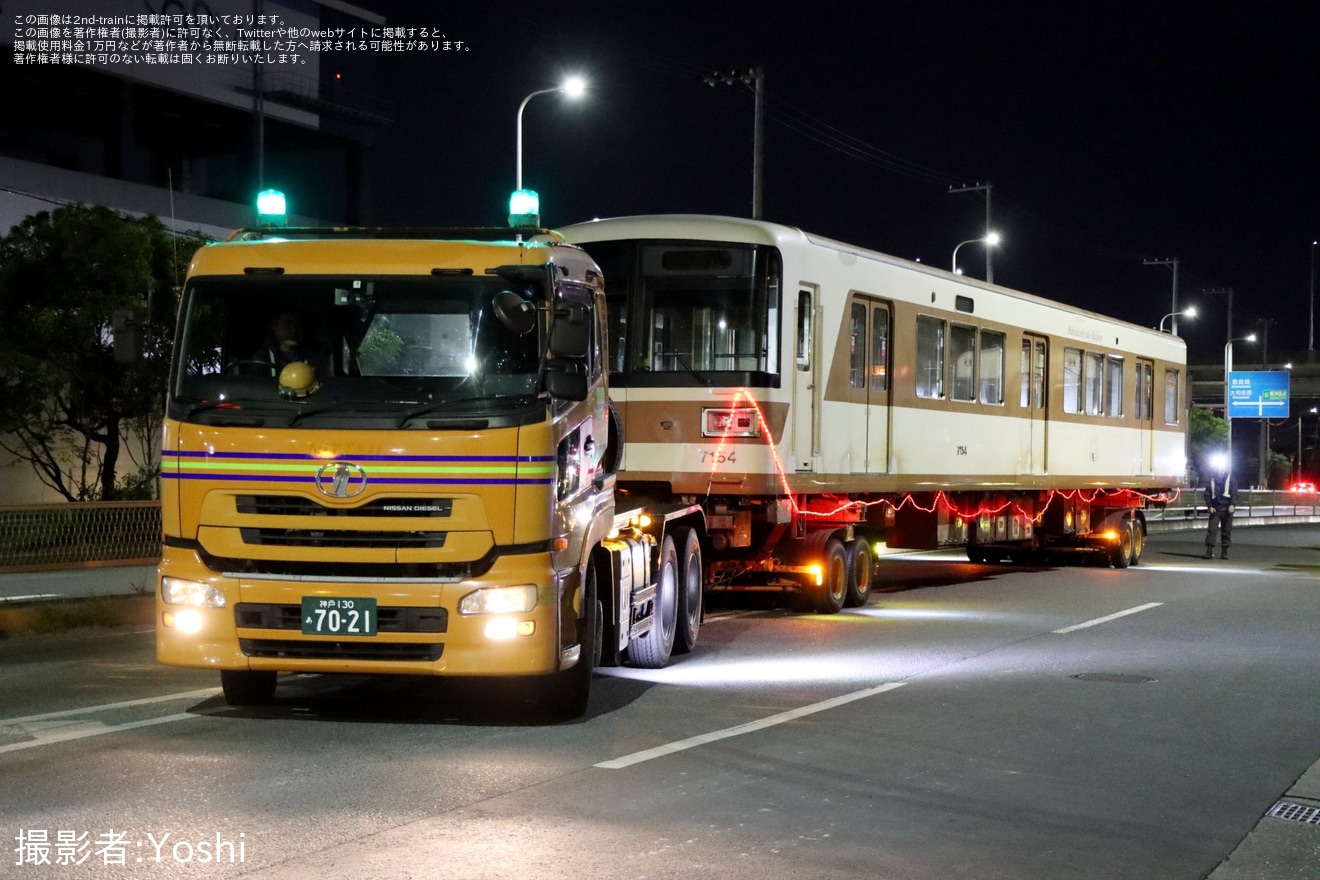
(1095, 383)
(930, 357)
(962, 357)
(1038, 375)
(992, 367)
(1114, 386)
(880, 348)
(857, 346)
(1145, 390)
(1025, 400)
(1172, 397)
(1072, 380)
(804, 330)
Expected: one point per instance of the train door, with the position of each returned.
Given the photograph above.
(1035, 400)
(877, 390)
(1145, 413)
(863, 419)
(805, 411)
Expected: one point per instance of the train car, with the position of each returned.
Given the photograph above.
(806, 398)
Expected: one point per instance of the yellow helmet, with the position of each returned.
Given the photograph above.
(298, 379)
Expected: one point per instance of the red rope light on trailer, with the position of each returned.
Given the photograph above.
(908, 499)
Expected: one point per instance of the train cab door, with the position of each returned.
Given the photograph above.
(1145, 413)
(805, 409)
(863, 419)
(1035, 401)
(877, 388)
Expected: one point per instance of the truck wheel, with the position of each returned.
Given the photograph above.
(651, 650)
(689, 589)
(861, 568)
(1138, 543)
(244, 687)
(828, 597)
(568, 692)
(1121, 553)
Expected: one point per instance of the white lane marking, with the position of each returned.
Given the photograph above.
(30, 597)
(106, 707)
(739, 730)
(46, 737)
(1109, 617)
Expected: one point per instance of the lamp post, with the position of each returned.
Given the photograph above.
(1228, 368)
(1189, 312)
(1310, 340)
(573, 87)
(1173, 264)
(990, 239)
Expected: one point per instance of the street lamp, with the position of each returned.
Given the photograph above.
(1228, 368)
(989, 240)
(573, 87)
(1189, 312)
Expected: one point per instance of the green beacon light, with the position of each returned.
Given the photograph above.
(272, 208)
(524, 208)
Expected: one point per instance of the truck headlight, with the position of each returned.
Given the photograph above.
(176, 591)
(499, 600)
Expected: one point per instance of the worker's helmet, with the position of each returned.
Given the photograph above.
(298, 379)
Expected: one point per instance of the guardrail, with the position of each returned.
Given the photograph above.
(34, 536)
(1252, 504)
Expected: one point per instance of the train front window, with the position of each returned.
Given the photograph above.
(689, 311)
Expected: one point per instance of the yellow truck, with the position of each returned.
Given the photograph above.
(393, 452)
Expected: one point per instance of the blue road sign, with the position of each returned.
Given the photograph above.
(1258, 394)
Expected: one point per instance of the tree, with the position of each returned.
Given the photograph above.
(65, 405)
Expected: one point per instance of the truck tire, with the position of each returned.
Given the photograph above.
(690, 585)
(568, 692)
(1138, 542)
(1121, 553)
(861, 569)
(243, 687)
(829, 595)
(651, 650)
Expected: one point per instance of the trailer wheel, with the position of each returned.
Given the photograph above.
(243, 687)
(1121, 553)
(861, 569)
(829, 595)
(568, 692)
(690, 576)
(1138, 543)
(651, 650)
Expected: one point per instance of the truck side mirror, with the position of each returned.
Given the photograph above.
(567, 380)
(516, 314)
(570, 333)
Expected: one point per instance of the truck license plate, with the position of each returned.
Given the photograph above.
(338, 616)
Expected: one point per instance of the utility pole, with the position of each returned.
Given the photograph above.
(1263, 448)
(1228, 292)
(986, 188)
(1173, 264)
(754, 79)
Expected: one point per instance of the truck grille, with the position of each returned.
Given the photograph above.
(316, 650)
(253, 615)
(296, 505)
(325, 538)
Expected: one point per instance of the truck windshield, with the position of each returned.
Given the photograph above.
(376, 346)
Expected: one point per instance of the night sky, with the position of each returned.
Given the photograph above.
(1112, 133)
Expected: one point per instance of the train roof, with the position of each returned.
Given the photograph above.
(747, 231)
